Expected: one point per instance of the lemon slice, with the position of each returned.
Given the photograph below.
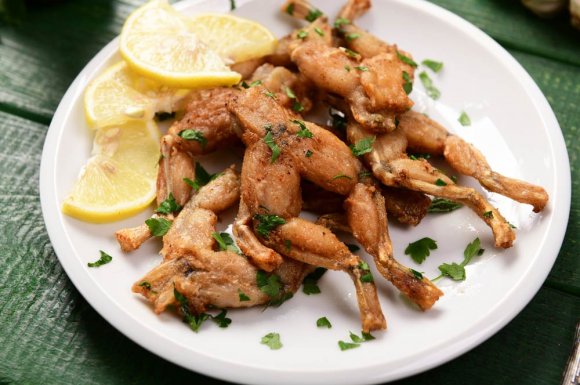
(119, 180)
(157, 42)
(233, 38)
(119, 95)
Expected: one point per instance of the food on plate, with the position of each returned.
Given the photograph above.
(353, 172)
(156, 42)
(119, 179)
(119, 95)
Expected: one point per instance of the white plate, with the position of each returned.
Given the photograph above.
(512, 124)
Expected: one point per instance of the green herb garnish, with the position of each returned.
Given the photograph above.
(310, 283)
(290, 9)
(168, 206)
(347, 345)
(352, 36)
(408, 85)
(267, 223)
(308, 153)
(146, 285)
(440, 182)
(194, 135)
(226, 242)
(488, 214)
(457, 271)
(323, 322)
(103, 260)
(269, 140)
(202, 177)
(417, 274)
(304, 131)
(362, 68)
(367, 277)
(158, 226)
(441, 205)
(419, 250)
(406, 60)
(272, 340)
(435, 66)
(464, 119)
(432, 91)
(302, 34)
(313, 14)
(363, 146)
(268, 284)
(350, 53)
(243, 297)
(340, 22)
(319, 31)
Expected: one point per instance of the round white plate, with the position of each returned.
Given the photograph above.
(514, 127)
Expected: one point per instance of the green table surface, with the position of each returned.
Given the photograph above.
(50, 335)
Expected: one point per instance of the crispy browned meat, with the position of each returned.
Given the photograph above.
(320, 201)
(217, 196)
(426, 135)
(406, 206)
(248, 67)
(174, 166)
(392, 167)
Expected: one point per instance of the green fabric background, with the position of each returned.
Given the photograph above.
(48, 332)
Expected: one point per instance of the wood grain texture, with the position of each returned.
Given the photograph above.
(50, 335)
(513, 26)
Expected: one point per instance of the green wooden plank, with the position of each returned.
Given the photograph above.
(561, 85)
(512, 25)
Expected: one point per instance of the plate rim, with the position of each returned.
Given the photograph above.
(156, 343)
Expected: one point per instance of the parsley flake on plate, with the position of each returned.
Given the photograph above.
(310, 283)
(407, 60)
(103, 260)
(272, 340)
(158, 226)
(457, 271)
(408, 85)
(432, 91)
(420, 250)
(442, 205)
(363, 146)
(464, 119)
(435, 66)
(323, 322)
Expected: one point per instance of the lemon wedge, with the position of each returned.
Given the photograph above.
(119, 95)
(157, 42)
(119, 180)
(233, 38)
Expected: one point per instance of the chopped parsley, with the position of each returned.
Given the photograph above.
(511, 225)
(308, 153)
(323, 322)
(202, 177)
(340, 22)
(252, 84)
(297, 106)
(272, 340)
(339, 176)
(362, 68)
(267, 223)
(406, 60)
(225, 242)
(290, 93)
(464, 119)
(417, 274)
(408, 85)
(350, 53)
(420, 250)
(194, 135)
(158, 226)
(442, 205)
(417, 156)
(196, 320)
(367, 277)
(432, 91)
(440, 182)
(290, 9)
(243, 297)
(363, 146)
(103, 260)
(270, 94)
(269, 140)
(352, 36)
(347, 345)
(302, 34)
(310, 283)
(319, 31)
(356, 341)
(232, 5)
(488, 214)
(352, 248)
(146, 285)
(304, 131)
(435, 66)
(287, 245)
(457, 271)
(313, 14)
(268, 284)
(168, 206)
